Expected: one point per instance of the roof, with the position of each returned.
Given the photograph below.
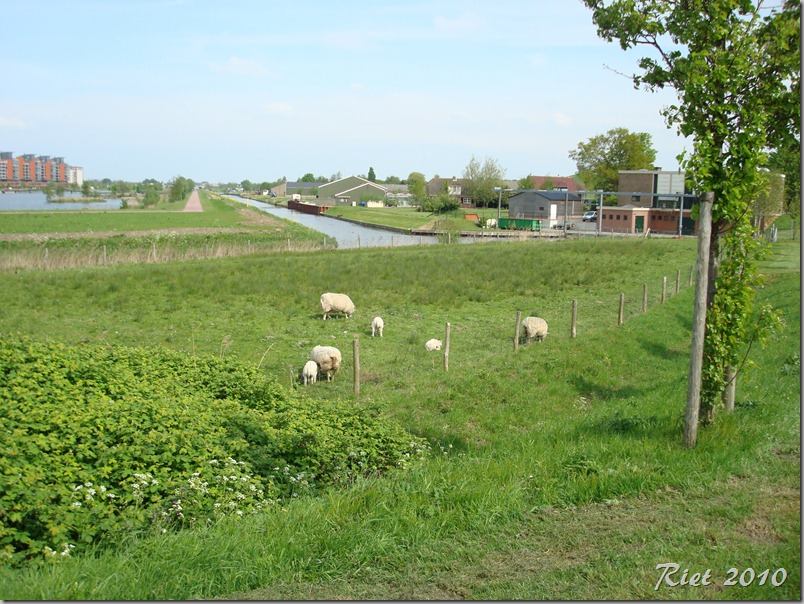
(564, 182)
(548, 195)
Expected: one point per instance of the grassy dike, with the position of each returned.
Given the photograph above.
(558, 470)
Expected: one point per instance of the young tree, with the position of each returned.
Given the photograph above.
(737, 77)
(417, 186)
(600, 160)
(371, 176)
(479, 180)
(525, 183)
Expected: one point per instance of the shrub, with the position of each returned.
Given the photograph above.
(102, 442)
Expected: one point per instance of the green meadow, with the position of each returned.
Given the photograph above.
(555, 470)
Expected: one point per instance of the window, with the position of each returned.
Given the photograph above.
(618, 216)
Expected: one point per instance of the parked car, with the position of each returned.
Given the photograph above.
(590, 216)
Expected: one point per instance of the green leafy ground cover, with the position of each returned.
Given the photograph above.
(557, 471)
(104, 442)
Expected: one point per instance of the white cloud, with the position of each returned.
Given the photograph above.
(11, 122)
(464, 24)
(562, 119)
(241, 67)
(278, 109)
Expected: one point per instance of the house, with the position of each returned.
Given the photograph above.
(551, 207)
(655, 188)
(398, 194)
(352, 190)
(300, 187)
(555, 183)
(636, 219)
(453, 186)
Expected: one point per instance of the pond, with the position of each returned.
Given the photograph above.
(37, 200)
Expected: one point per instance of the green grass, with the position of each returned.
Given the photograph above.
(410, 218)
(558, 472)
(219, 214)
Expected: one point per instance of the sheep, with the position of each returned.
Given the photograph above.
(334, 303)
(376, 326)
(535, 328)
(433, 344)
(310, 372)
(328, 359)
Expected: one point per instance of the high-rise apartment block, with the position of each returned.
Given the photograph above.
(37, 170)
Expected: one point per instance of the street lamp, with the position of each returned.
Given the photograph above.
(499, 201)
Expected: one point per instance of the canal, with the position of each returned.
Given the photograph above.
(347, 234)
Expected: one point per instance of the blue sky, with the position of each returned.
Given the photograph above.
(260, 89)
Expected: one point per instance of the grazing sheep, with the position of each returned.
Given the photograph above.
(310, 372)
(334, 303)
(534, 328)
(433, 344)
(328, 359)
(376, 325)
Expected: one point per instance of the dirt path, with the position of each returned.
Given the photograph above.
(193, 203)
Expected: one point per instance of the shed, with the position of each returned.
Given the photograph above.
(545, 206)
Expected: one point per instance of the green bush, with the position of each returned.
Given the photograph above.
(104, 442)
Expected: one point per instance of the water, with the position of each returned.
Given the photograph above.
(347, 234)
(37, 200)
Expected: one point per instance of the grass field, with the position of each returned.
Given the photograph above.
(410, 218)
(558, 469)
(70, 239)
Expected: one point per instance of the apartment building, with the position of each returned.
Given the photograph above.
(32, 169)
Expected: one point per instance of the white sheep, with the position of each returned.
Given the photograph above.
(534, 328)
(328, 359)
(334, 303)
(376, 326)
(433, 344)
(310, 372)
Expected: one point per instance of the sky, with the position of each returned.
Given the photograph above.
(265, 89)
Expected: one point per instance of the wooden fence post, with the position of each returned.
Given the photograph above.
(356, 350)
(574, 321)
(446, 350)
(698, 320)
(731, 389)
(678, 280)
(664, 289)
(622, 308)
(644, 297)
(692, 273)
(516, 331)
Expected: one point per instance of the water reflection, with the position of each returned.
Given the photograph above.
(37, 200)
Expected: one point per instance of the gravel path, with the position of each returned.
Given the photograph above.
(194, 203)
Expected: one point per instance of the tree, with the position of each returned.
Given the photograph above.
(151, 197)
(417, 186)
(307, 178)
(371, 176)
(787, 160)
(180, 188)
(737, 77)
(600, 160)
(480, 180)
(526, 183)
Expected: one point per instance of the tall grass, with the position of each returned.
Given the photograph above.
(558, 470)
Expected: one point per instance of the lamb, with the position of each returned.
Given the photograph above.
(376, 326)
(310, 372)
(535, 328)
(335, 303)
(433, 344)
(328, 359)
